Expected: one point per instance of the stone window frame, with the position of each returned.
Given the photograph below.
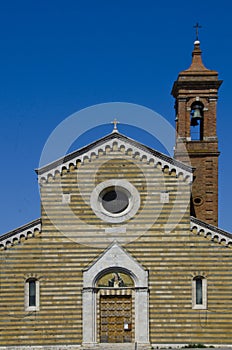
(203, 305)
(128, 213)
(35, 307)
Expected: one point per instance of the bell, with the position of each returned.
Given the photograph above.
(196, 116)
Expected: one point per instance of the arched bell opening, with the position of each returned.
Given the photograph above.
(196, 121)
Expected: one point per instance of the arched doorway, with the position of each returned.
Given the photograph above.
(103, 290)
(115, 307)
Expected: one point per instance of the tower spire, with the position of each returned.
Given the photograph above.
(197, 64)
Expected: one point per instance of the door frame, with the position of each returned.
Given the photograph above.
(115, 257)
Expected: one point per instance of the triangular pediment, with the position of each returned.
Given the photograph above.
(115, 257)
(144, 153)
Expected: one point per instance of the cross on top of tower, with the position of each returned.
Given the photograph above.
(197, 27)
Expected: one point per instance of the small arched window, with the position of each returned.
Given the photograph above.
(199, 292)
(199, 296)
(196, 121)
(32, 294)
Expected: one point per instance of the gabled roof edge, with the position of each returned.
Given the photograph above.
(216, 233)
(13, 237)
(79, 153)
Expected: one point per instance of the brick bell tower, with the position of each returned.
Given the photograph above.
(196, 93)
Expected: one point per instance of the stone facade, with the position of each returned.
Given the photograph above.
(157, 238)
(116, 253)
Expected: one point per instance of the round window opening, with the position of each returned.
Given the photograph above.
(115, 199)
(198, 200)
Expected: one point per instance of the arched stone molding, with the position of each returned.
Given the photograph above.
(210, 232)
(115, 257)
(118, 143)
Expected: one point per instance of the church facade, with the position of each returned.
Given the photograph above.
(127, 250)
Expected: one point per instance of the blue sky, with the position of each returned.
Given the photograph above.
(58, 57)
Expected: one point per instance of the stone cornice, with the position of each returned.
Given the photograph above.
(200, 227)
(109, 141)
(23, 232)
(207, 230)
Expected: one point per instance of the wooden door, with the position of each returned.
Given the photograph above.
(115, 319)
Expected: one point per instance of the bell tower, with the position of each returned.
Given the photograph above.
(196, 93)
